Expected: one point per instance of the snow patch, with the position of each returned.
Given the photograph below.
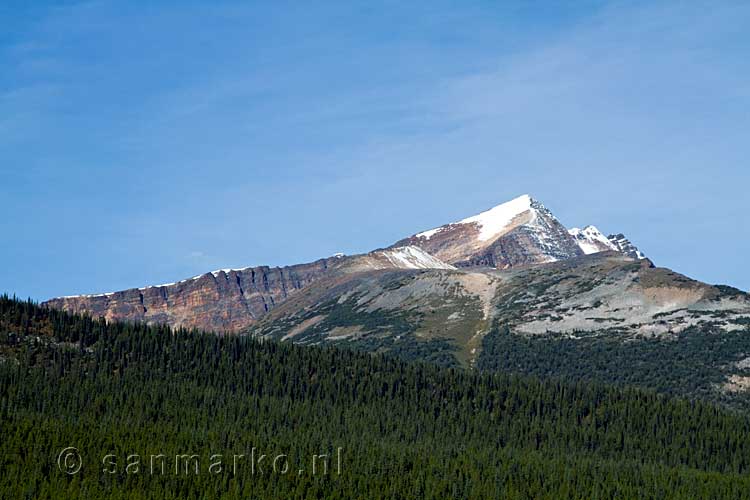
(493, 221)
(411, 257)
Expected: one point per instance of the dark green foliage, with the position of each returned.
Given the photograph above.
(406, 430)
(346, 314)
(694, 364)
(728, 291)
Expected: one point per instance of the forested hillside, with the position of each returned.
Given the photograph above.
(390, 429)
(699, 362)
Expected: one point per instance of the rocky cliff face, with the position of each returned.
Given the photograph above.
(624, 246)
(223, 301)
(231, 300)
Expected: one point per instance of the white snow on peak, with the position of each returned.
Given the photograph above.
(493, 221)
(411, 257)
(591, 240)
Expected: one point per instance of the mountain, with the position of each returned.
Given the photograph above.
(510, 289)
(518, 234)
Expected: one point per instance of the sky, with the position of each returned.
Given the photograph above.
(147, 142)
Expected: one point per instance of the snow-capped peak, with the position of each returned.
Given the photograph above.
(493, 221)
(591, 240)
(518, 232)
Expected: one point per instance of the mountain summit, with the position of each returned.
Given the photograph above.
(520, 232)
(591, 240)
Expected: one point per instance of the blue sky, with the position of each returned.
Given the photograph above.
(145, 142)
